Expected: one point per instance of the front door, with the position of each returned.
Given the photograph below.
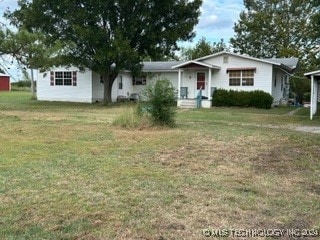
(201, 80)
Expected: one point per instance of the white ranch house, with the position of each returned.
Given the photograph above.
(221, 70)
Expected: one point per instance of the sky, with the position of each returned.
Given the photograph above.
(215, 23)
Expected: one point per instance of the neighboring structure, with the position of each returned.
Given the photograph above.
(4, 83)
(315, 91)
(222, 70)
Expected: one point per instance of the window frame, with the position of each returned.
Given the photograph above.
(139, 80)
(63, 78)
(241, 77)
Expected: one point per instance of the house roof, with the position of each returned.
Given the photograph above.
(159, 66)
(292, 63)
(195, 63)
(315, 73)
(237, 55)
(286, 63)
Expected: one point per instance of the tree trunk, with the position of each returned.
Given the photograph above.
(108, 80)
(33, 88)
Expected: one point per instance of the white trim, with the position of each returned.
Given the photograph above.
(209, 83)
(160, 70)
(237, 55)
(311, 97)
(315, 73)
(179, 83)
(314, 92)
(197, 63)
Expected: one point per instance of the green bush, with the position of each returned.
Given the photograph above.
(231, 98)
(261, 99)
(161, 103)
(23, 83)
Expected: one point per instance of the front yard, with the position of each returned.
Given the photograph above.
(67, 173)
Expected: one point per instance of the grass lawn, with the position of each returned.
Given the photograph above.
(67, 173)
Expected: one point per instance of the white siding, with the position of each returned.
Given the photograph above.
(171, 76)
(154, 76)
(98, 87)
(278, 85)
(189, 80)
(126, 86)
(262, 76)
(80, 93)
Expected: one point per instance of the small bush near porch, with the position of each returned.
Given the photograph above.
(231, 98)
(161, 103)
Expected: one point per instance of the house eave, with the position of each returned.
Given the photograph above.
(193, 62)
(314, 73)
(160, 70)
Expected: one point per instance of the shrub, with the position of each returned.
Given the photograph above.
(261, 99)
(231, 98)
(24, 83)
(162, 103)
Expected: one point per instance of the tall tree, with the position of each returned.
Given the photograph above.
(203, 48)
(278, 28)
(29, 49)
(110, 36)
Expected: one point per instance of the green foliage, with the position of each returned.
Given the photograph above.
(300, 86)
(277, 28)
(29, 48)
(162, 103)
(203, 48)
(21, 84)
(110, 36)
(231, 98)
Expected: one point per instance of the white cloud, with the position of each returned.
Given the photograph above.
(217, 19)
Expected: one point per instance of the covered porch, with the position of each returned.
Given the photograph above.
(195, 84)
(315, 91)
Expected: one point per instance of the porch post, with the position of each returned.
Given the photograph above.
(209, 84)
(315, 99)
(179, 83)
(312, 97)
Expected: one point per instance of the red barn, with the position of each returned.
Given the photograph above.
(4, 83)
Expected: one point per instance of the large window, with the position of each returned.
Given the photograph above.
(139, 80)
(235, 78)
(241, 77)
(63, 78)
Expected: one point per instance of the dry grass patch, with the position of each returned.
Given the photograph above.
(67, 173)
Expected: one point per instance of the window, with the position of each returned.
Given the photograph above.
(234, 78)
(241, 77)
(120, 83)
(139, 80)
(247, 77)
(66, 78)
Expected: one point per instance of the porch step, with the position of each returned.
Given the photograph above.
(188, 104)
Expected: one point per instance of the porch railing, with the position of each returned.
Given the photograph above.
(184, 92)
